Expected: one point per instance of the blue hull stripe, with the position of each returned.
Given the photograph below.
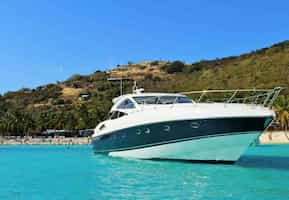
(170, 142)
(176, 131)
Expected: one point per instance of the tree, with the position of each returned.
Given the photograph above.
(176, 66)
(70, 121)
(282, 110)
(83, 117)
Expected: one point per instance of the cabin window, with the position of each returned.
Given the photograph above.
(116, 114)
(126, 104)
(113, 115)
(166, 99)
(146, 100)
(184, 100)
(120, 114)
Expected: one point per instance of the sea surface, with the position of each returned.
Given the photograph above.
(68, 173)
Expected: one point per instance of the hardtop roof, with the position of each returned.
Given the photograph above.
(146, 95)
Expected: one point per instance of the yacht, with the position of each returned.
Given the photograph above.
(172, 126)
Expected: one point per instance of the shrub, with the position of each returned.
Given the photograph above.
(75, 77)
(174, 67)
(148, 77)
(153, 63)
(97, 76)
(196, 67)
(58, 102)
(157, 78)
(76, 85)
(142, 67)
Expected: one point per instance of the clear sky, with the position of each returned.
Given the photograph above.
(49, 40)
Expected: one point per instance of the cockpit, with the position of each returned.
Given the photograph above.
(128, 104)
(164, 99)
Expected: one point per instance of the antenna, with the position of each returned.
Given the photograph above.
(134, 87)
(136, 90)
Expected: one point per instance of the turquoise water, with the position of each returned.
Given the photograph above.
(58, 172)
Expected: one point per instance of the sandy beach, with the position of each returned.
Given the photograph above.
(274, 137)
(269, 137)
(45, 141)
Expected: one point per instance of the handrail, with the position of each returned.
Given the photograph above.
(265, 97)
(233, 90)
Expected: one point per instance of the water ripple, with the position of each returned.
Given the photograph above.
(49, 172)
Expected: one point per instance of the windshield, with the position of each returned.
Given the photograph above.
(146, 99)
(162, 99)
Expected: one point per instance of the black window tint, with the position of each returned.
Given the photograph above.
(116, 114)
(113, 115)
(120, 114)
(184, 100)
(126, 104)
(167, 100)
(146, 100)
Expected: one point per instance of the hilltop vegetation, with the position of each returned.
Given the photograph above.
(82, 101)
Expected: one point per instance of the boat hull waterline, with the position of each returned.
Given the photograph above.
(208, 140)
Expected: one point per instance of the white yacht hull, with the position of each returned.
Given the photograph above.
(181, 129)
(184, 132)
(227, 148)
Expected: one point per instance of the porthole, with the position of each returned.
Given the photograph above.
(138, 131)
(147, 131)
(167, 128)
(195, 124)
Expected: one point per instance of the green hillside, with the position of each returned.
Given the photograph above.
(82, 101)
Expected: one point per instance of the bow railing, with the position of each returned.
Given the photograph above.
(265, 97)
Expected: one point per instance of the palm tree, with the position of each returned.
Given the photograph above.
(5, 120)
(3, 126)
(282, 110)
(12, 123)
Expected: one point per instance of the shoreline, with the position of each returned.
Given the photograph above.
(274, 137)
(45, 141)
(268, 137)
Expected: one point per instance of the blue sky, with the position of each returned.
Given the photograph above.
(49, 40)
